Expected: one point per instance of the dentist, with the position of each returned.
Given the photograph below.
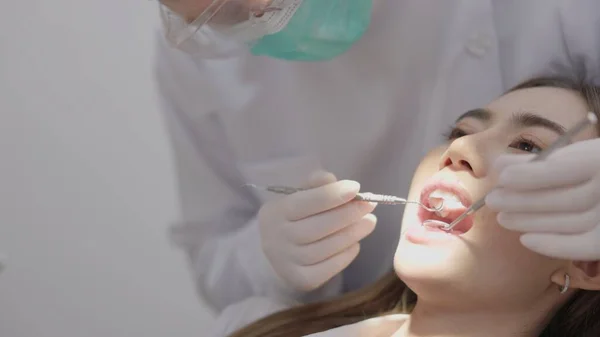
(270, 92)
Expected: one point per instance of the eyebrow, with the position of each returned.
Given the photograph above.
(483, 115)
(520, 119)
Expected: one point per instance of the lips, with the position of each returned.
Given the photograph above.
(448, 190)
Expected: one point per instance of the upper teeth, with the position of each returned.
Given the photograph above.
(448, 199)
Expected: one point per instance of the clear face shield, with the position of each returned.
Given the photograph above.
(226, 27)
(300, 30)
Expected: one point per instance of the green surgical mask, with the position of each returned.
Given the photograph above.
(319, 30)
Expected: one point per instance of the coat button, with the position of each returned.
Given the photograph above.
(478, 44)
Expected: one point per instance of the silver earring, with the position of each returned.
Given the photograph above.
(563, 289)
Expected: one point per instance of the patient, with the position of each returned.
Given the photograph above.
(479, 281)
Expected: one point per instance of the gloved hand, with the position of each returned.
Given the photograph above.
(555, 202)
(311, 236)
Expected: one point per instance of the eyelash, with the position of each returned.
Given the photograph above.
(456, 132)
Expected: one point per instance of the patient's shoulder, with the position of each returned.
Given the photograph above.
(241, 314)
(383, 326)
(246, 312)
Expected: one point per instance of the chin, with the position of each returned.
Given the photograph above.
(424, 262)
(435, 275)
(434, 263)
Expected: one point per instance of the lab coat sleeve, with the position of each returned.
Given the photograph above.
(244, 313)
(219, 228)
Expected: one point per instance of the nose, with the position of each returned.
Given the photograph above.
(464, 154)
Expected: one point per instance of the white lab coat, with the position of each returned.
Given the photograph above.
(368, 115)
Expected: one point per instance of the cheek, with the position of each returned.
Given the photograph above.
(503, 260)
(188, 9)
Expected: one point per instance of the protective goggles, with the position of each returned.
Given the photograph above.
(226, 27)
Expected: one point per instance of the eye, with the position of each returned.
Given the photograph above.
(454, 133)
(526, 145)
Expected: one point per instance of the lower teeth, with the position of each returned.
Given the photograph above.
(435, 224)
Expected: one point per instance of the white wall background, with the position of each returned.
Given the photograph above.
(86, 185)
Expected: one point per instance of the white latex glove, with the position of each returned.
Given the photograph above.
(555, 202)
(311, 236)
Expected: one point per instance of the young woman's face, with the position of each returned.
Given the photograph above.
(483, 263)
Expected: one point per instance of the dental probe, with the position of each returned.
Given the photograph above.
(366, 196)
(563, 140)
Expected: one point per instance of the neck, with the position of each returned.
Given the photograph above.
(428, 321)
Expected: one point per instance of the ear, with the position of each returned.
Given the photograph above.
(584, 275)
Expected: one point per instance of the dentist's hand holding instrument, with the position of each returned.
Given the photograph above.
(312, 235)
(557, 205)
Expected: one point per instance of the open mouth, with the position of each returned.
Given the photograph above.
(456, 200)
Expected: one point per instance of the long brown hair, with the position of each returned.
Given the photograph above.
(579, 317)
